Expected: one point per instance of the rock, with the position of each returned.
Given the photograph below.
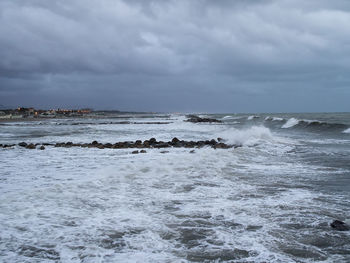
(196, 119)
(135, 152)
(42, 147)
(94, 142)
(22, 144)
(31, 146)
(212, 142)
(142, 151)
(221, 146)
(340, 226)
(152, 141)
(220, 139)
(175, 140)
(164, 151)
(162, 145)
(193, 151)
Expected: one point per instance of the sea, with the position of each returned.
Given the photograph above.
(270, 200)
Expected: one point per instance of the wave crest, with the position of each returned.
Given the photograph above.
(247, 137)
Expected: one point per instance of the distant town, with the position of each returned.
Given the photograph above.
(22, 112)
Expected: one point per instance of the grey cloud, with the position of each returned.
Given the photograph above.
(160, 50)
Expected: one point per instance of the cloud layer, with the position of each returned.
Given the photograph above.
(203, 55)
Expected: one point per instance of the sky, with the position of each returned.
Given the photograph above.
(176, 55)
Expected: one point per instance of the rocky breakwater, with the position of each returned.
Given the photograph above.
(151, 143)
(197, 119)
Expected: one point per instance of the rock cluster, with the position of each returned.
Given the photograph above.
(151, 143)
(196, 119)
(340, 226)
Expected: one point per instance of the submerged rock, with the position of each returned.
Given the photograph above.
(135, 152)
(340, 225)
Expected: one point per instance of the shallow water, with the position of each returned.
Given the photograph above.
(269, 201)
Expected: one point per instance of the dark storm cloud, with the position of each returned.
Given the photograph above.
(176, 55)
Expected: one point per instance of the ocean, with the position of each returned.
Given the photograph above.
(270, 200)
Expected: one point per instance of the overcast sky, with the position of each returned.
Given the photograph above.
(204, 56)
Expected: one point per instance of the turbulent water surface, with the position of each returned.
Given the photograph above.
(271, 200)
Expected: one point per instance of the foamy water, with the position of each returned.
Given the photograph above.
(270, 200)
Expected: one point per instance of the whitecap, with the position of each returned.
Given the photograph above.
(252, 117)
(247, 136)
(290, 123)
(347, 130)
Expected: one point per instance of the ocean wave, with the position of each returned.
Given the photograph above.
(347, 130)
(314, 124)
(268, 118)
(246, 137)
(290, 123)
(252, 117)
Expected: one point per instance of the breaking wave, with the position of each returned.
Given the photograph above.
(290, 123)
(347, 130)
(252, 117)
(248, 136)
(268, 118)
(314, 125)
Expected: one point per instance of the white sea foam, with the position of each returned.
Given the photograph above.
(347, 131)
(268, 118)
(75, 204)
(252, 117)
(248, 136)
(290, 123)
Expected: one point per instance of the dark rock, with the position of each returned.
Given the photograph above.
(108, 145)
(221, 146)
(152, 141)
(212, 142)
(142, 151)
(175, 140)
(22, 144)
(196, 119)
(135, 152)
(42, 147)
(340, 225)
(161, 145)
(69, 143)
(94, 142)
(8, 145)
(220, 139)
(193, 151)
(164, 151)
(31, 146)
